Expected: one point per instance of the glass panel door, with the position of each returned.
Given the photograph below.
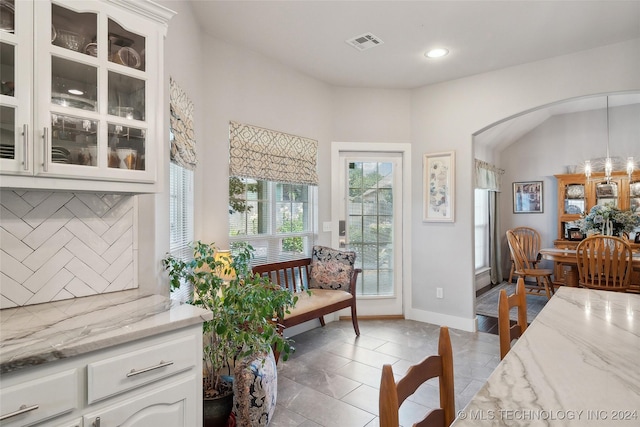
(371, 223)
(16, 56)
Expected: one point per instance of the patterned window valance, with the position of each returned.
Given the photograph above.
(488, 176)
(269, 155)
(183, 143)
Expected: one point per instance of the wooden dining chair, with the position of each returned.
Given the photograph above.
(530, 241)
(524, 269)
(506, 331)
(605, 263)
(393, 394)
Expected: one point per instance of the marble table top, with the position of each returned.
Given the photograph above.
(578, 363)
(37, 334)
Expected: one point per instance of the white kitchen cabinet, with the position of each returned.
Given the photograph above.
(164, 406)
(82, 95)
(30, 402)
(154, 381)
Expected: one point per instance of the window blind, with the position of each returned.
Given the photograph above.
(277, 220)
(268, 155)
(180, 219)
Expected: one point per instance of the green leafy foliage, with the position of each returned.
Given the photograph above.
(244, 308)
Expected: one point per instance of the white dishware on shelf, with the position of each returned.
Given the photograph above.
(128, 158)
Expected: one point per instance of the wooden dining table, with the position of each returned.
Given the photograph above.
(567, 257)
(576, 364)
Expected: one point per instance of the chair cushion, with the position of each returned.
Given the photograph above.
(319, 298)
(331, 268)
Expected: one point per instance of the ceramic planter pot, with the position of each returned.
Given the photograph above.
(216, 411)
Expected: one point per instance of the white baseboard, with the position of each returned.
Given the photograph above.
(455, 322)
(483, 278)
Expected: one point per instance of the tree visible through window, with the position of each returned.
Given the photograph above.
(275, 218)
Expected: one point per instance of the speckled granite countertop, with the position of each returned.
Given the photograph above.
(37, 334)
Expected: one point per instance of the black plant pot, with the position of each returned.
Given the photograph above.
(216, 411)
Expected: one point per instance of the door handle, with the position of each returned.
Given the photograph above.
(342, 234)
(21, 410)
(25, 146)
(45, 159)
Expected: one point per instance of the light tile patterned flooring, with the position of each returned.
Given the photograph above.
(333, 378)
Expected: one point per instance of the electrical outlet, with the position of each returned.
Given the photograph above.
(439, 293)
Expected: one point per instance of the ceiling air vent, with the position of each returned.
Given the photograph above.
(365, 41)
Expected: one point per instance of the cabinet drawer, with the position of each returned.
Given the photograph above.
(32, 401)
(134, 369)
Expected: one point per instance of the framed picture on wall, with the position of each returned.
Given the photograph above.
(527, 197)
(439, 187)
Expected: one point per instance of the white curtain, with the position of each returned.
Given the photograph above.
(268, 155)
(488, 176)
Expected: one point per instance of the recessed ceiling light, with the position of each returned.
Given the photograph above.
(436, 53)
(75, 92)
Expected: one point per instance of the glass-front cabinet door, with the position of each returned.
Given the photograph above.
(16, 28)
(634, 197)
(93, 92)
(81, 94)
(607, 193)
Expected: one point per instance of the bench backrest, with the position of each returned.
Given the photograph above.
(291, 275)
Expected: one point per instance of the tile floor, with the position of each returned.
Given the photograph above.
(333, 378)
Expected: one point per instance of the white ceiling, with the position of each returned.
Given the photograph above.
(481, 35)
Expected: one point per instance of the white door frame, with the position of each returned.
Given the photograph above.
(404, 150)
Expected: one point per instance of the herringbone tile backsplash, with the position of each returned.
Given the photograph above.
(57, 245)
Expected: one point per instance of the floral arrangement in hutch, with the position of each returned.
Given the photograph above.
(609, 220)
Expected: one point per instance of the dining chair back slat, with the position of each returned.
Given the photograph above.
(393, 394)
(525, 268)
(605, 263)
(506, 331)
(530, 241)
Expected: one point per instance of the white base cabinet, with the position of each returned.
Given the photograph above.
(155, 381)
(165, 406)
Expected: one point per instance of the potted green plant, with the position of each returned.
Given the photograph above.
(243, 305)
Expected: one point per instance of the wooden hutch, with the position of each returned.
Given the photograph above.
(577, 195)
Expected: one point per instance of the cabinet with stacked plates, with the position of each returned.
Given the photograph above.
(81, 99)
(577, 195)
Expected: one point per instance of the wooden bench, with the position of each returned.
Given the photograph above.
(295, 276)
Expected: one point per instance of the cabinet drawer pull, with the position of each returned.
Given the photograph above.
(162, 364)
(96, 423)
(45, 160)
(25, 146)
(21, 410)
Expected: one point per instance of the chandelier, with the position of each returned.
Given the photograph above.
(608, 162)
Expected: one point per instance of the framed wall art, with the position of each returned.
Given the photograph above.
(527, 197)
(439, 187)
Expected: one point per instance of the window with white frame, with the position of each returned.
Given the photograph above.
(481, 229)
(275, 218)
(272, 176)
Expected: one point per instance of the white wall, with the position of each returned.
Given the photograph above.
(232, 83)
(444, 117)
(183, 62)
(243, 86)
